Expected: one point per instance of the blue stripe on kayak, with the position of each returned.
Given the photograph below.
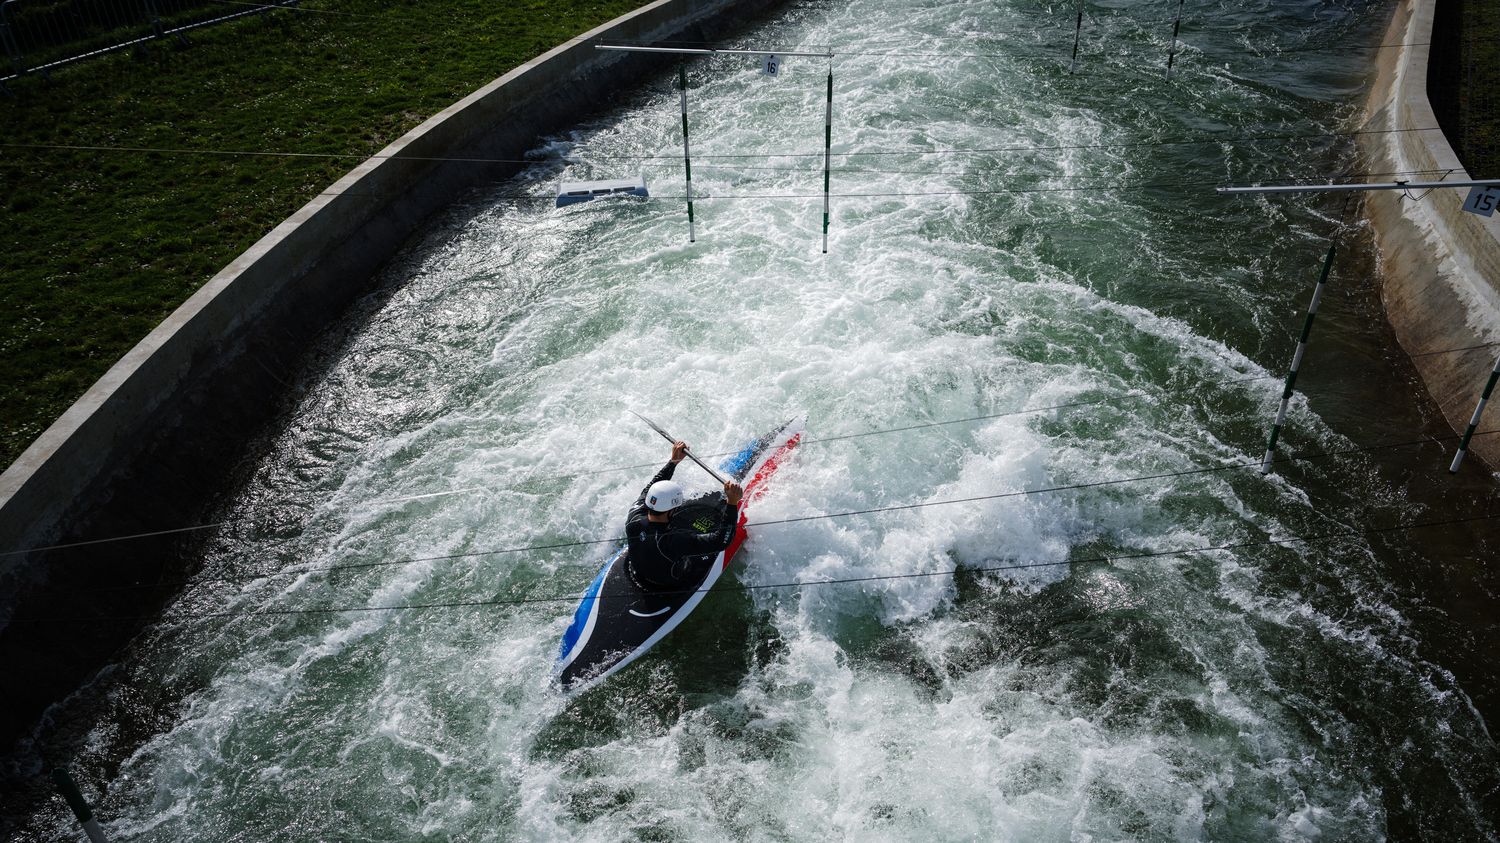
(581, 614)
(738, 463)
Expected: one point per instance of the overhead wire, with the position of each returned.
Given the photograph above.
(749, 587)
(1097, 187)
(812, 441)
(387, 563)
(1034, 46)
(1210, 139)
(1270, 52)
(1452, 350)
(1248, 49)
(1203, 140)
(450, 492)
(637, 466)
(1100, 187)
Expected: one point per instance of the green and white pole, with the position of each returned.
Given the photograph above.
(1077, 33)
(827, 151)
(1172, 53)
(687, 158)
(81, 809)
(1484, 398)
(1291, 377)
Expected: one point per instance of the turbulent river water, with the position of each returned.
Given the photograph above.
(1099, 686)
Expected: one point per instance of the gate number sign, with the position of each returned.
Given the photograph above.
(771, 65)
(1482, 200)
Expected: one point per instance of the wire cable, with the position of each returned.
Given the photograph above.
(749, 587)
(1099, 187)
(861, 50)
(637, 466)
(1451, 350)
(1198, 141)
(1256, 464)
(1047, 50)
(427, 495)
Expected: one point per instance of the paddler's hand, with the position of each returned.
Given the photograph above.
(679, 451)
(732, 493)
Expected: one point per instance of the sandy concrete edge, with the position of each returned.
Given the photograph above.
(1439, 266)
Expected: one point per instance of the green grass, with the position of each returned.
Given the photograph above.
(1479, 89)
(96, 248)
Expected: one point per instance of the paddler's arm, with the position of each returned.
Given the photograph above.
(733, 494)
(679, 451)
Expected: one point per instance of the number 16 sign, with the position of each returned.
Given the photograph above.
(771, 65)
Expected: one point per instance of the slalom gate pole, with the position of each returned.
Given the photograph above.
(1484, 398)
(81, 809)
(1291, 377)
(1077, 33)
(687, 158)
(1172, 53)
(827, 151)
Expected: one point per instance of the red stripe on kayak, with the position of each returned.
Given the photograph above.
(754, 489)
(739, 538)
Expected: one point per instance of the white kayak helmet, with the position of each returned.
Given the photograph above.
(664, 496)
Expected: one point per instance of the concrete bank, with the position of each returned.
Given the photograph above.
(1440, 266)
(150, 446)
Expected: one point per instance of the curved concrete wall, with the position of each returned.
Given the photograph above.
(1440, 265)
(150, 445)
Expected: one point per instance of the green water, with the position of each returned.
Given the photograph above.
(1272, 691)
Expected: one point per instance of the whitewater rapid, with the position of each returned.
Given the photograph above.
(479, 401)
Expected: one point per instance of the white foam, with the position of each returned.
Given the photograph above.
(474, 407)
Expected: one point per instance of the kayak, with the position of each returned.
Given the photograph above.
(617, 621)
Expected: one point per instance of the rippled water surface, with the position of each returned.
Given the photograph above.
(1267, 691)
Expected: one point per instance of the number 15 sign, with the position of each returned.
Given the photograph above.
(1482, 200)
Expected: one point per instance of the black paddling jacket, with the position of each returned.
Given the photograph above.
(670, 555)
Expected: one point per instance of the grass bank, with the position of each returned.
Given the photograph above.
(1463, 81)
(97, 247)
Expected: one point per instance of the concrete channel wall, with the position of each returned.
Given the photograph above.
(152, 444)
(1440, 265)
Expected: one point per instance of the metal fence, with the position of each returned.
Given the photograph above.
(39, 36)
(1463, 81)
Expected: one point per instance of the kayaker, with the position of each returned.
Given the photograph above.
(663, 556)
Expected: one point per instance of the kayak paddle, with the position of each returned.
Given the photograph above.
(667, 436)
